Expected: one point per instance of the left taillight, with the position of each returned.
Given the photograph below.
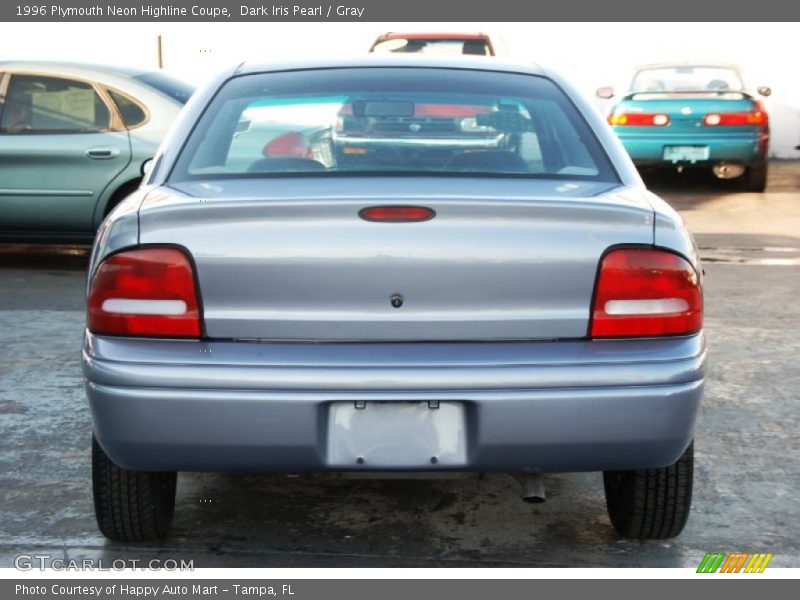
(644, 292)
(637, 119)
(145, 292)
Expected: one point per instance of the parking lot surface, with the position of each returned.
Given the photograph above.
(747, 478)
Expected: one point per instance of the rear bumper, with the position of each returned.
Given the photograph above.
(649, 149)
(524, 407)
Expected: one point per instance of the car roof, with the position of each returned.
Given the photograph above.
(432, 36)
(70, 68)
(481, 63)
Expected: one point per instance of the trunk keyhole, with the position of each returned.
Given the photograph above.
(396, 300)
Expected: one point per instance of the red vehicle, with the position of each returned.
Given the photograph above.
(435, 43)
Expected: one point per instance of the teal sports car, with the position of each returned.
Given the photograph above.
(73, 142)
(695, 115)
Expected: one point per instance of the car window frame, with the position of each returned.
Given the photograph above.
(115, 120)
(147, 114)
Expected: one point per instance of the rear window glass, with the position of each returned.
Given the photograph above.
(432, 46)
(687, 79)
(392, 121)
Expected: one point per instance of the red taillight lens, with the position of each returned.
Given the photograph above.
(145, 292)
(646, 292)
(755, 117)
(639, 119)
(397, 214)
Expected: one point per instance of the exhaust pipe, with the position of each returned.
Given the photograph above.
(532, 485)
(725, 170)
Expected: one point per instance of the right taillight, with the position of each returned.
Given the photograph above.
(757, 116)
(646, 292)
(145, 292)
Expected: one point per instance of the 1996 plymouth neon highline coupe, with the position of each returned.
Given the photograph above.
(393, 264)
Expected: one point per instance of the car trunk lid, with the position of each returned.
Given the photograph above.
(291, 259)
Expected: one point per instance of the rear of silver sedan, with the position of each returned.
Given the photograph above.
(287, 303)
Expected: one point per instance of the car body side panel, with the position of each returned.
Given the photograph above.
(49, 182)
(670, 231)
(119, 230)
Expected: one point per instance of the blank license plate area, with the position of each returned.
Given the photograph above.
(397, 435)
(685, 153)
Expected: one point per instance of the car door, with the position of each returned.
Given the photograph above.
(61, 143)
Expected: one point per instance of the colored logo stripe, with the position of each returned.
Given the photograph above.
(711, 562)
(734, 562)
(758, 562)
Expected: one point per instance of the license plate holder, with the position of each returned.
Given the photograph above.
(396, 435)
(686, 153)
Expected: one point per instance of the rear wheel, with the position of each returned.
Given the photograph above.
(651, 503)
(131, 506)
(755, 179)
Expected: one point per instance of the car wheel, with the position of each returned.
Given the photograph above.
(131, 506)
(755, 179)
(651, 503)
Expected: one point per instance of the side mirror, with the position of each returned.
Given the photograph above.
(147, 166)
(605, 92)
(764, 91)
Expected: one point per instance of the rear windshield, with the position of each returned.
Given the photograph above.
(432, 46)
(687, 79)
(174, 88)
(375, 121)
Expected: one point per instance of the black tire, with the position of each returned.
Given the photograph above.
(756, 178)
(131, 506)
(651, 504)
